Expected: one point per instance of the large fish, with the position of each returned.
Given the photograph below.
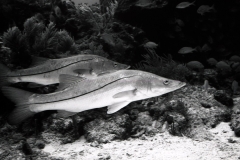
(46, 71)
(115, 90)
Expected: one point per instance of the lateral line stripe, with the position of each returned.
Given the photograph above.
(87, 92)
(51, 70)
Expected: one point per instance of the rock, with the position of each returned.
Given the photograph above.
(205, 104)
(103, 131)
(61, 125)
(177, 123)
(40, 144)
(195, 65)
(223, 97)
(27, 150)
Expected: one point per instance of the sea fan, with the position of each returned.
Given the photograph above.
(65, 42)
(164, 66)
(46, 42)
(32, 29)
(14, 39)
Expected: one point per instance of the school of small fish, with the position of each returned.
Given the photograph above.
(85, 82)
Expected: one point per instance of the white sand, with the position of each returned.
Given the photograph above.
(160, 147)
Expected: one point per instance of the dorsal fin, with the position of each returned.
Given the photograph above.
(66, 81)
(38, 60)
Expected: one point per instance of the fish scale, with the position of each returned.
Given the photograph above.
(115, 90)
(47, 71)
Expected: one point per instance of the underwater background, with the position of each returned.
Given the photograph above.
(196, 42)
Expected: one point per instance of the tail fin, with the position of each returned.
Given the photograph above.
(21, 99)
(18, 96)
(3, 75)
(19, 114)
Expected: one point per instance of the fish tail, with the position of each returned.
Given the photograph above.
(18, 96)
(19, 114)
(4, 79)
(21, 99)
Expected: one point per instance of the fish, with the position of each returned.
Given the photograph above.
(46, 71)
(204, 9)
(183, 5)
(115, 90)
(151, 45)
(206, 48)
(186, 50)
(108, 38)
(179, 22)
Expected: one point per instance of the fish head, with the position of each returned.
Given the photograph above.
(102, 65)
(156, 86)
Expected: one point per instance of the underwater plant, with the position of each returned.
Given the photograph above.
(38, 39)
(92, 16)
(164, 66)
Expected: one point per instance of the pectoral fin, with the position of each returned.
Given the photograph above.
(116, 107)
(126, 94)
(85, 72)
(66, 81)
(65, 114)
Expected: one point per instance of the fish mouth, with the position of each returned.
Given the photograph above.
(181, 84)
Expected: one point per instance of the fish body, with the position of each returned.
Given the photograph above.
(206, 48)
(204, 9)
(108, 38)
(115, 90)
(186, 50)
(183, 5)
(47, 71)
(150, 45)
(179, 22)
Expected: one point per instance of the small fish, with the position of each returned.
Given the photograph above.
(179, 22)
(204, 9)
(46, 71)
(115, 90)
(234, 87)
(58, 11)
(183, 5)
(206, 48)
(108, 38)
(150, 45)
(186, 50)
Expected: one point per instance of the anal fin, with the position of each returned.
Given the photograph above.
(116, 107)
(65, 114)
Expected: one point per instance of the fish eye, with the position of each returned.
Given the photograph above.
(115, 65)
(166, 82)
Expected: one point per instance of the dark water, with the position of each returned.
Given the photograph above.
(86, 1)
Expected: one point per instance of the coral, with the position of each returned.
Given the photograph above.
(103, 131)
(36, 39)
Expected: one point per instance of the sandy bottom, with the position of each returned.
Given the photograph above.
(159, 147)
